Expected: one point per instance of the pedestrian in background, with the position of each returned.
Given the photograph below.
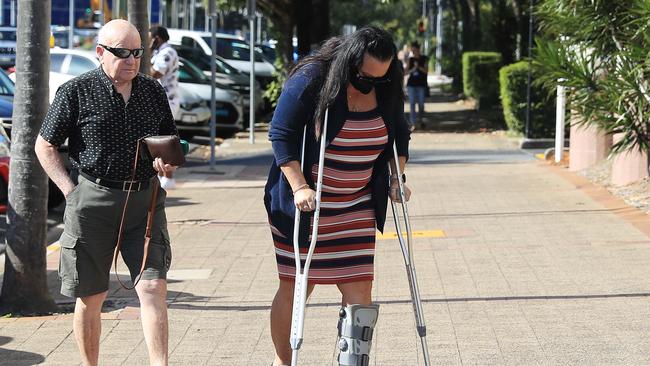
(416, 84)
(103, 114)
(164, 67)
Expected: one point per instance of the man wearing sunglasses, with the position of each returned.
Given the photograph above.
(102, 114)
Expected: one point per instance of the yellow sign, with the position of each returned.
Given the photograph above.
(416, 234)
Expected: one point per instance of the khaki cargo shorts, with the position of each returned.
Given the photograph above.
(91, 219)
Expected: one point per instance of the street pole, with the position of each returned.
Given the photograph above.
(71, 21)
(116, 9)
(439, 36)
(192, 14)
(251, 110)
(559, 121)
(259, 28)
(101, 12)
(426, 29)
(530, 68)
(174, 13)
(213, 97)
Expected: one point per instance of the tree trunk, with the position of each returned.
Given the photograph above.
(477, 36)
(468, 26)
(503, 24)
(139, 16)
(522, 29)
(454, 50)
(24, 289)
(304, 21)
(281, 13)
(320, 25)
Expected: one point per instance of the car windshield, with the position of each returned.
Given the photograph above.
(8, 35)
(6, 85)
(202, 61)
(189, 73)
(234, 49)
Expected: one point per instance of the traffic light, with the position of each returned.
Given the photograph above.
(421, 27)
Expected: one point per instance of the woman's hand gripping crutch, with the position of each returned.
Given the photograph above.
(302, 274)
(402, 197)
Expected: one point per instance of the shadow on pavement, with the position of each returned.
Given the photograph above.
(17, 358)
(178, 201)
(450, 114)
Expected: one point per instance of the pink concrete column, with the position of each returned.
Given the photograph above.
(628, 166)
(587, 145)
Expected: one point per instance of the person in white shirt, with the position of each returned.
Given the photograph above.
(164, 67)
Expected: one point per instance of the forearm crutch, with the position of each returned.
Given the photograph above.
(407, 252)
(302, 274)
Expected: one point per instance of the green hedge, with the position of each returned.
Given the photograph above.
(480, 76)
(513, 80)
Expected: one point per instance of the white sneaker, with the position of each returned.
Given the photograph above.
(167, 183)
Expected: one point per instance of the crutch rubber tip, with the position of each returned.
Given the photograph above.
(422, 330)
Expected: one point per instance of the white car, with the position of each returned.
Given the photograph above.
(235, 50)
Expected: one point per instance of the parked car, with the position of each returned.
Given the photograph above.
(7, 47)
(55, 196)
(61, 36)
(6, 99)
(268, 51)
(66, 64)
(194, 114)
(228, 112)
(226, 75)
(233, 49)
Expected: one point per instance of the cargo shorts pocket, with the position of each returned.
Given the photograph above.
(68, 260)
(167, 256)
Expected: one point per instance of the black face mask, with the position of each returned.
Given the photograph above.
(364, 85)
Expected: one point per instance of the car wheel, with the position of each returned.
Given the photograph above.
(226, 134)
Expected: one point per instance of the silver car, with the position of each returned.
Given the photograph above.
(225, 75)
(228, 111)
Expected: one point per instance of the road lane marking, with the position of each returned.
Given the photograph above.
(416, 234)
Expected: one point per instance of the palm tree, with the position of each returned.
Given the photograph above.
(599, 49)
(24, 289)
(139, 16)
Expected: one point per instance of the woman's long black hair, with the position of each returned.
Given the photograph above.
(342, 55)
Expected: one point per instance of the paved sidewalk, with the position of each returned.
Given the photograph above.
(530, 269)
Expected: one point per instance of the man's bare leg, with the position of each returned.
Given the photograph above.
(153, 311)
(87, 325)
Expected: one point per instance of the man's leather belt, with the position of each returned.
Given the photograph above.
(138, 185)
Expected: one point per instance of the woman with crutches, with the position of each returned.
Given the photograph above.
(356, 81)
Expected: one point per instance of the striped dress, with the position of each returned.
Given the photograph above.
(346, 233)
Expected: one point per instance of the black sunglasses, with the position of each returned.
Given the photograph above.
(374, 81)
(124, 52)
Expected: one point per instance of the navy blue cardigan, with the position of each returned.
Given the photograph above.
(296, 107)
